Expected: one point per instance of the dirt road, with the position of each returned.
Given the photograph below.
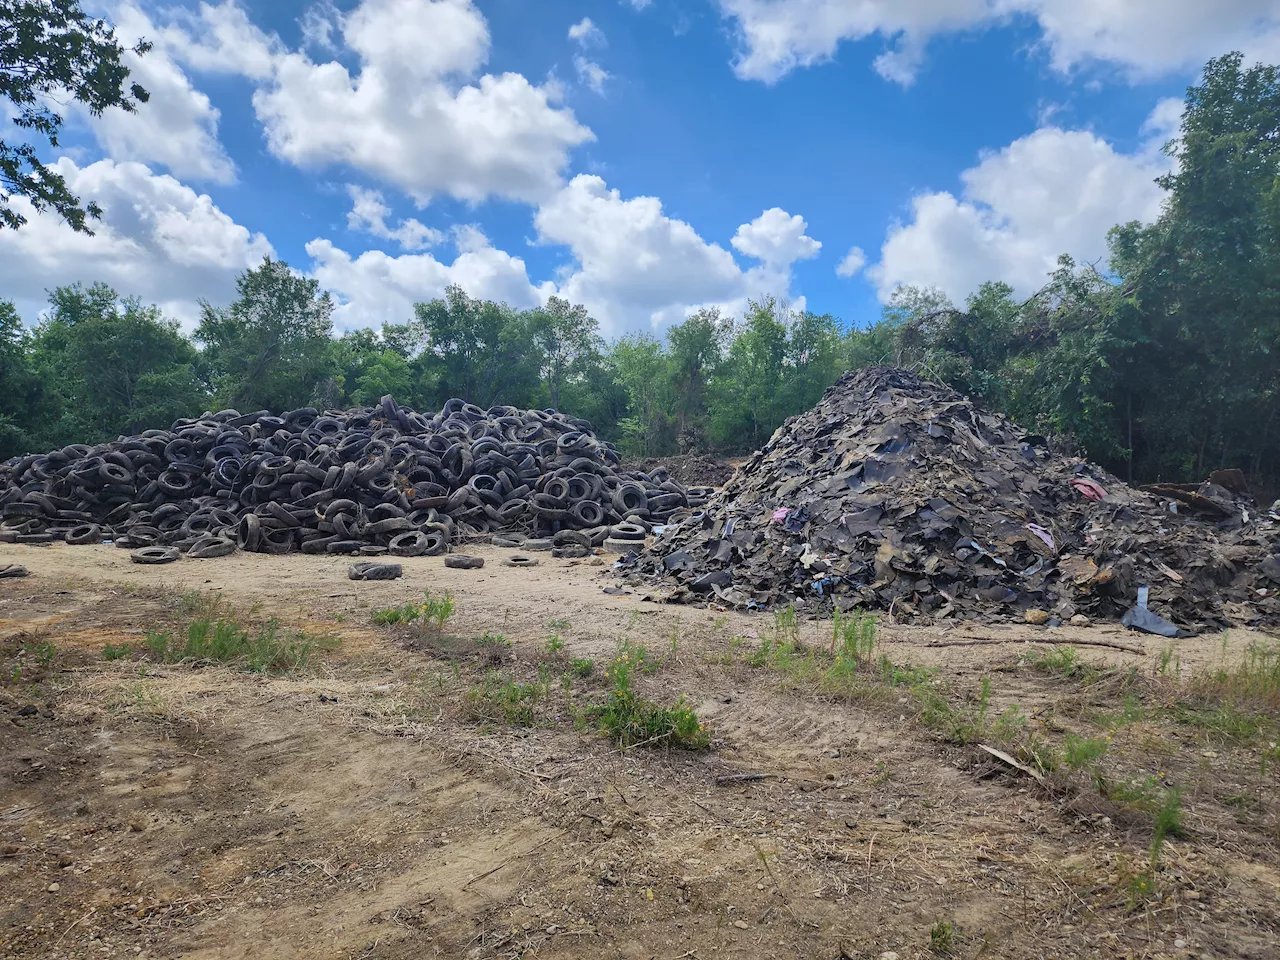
(391, 797)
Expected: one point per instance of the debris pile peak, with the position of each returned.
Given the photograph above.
(897, 493)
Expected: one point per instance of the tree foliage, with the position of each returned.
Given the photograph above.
(1162, 364)
(51, 51)
(271, 348)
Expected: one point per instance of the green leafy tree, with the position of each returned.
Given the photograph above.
(477, 350)
(1201, 286)
(696, 348)
(22, 395)
(51, 51)
(272, 348)
(747, 407)
(567, 340)
(595, 393)
(643, 369)
(118, 367)
(814, 359)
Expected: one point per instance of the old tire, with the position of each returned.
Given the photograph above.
(83, 533)
(411, 544)
(520, 561)
(372, 570)
(461, 561)
(154, 555)
(613, 545)
(206, 548)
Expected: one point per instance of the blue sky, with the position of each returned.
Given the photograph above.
(645, 158)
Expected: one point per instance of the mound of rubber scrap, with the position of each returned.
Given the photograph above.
(897, 494)
(691, 468)
(382, 479)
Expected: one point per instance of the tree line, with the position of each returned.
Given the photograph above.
(1161, 364)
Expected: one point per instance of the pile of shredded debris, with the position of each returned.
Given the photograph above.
(693, 469)
(899, 494)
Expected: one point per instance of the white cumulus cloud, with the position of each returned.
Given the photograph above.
(590, 73)
(418, 112)
(586, 33)
(158, 240)
(369, 212)
(376, 288)
(637, 267)
(1145, 37)
(852, 263)
(776, 238)
(1052, 192)
(177, 127)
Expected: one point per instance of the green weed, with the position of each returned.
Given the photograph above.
(501, 699)
(1255, 679)
(433, 613)
(943, 937)
(962, 723)
(1011, 725)
(199, 605)
(630, 720)
(903, 675)
(1061, 661)
(785, 626)
(113, 652)
(391, 616)
(555, 644)
(582, 667)
(225, 641)
(1132, 712)
(437, 611)
(1225, 720)
(43, 651)
(638, 657)
(1079, 753)
(1162, 803)
(853, 640)
(1142, 887)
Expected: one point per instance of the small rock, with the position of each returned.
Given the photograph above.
(1180, 944)
(740, 924)
(1079, 620)
(1036, 617)
(888, 955)
(833, 754)
(137, 826)
(53, 888)
(30, 710)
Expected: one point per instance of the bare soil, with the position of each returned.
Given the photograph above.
(368, 805)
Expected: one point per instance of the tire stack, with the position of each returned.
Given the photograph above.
(372, 481)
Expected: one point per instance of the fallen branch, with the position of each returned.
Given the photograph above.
(743, 778)
(510, 860)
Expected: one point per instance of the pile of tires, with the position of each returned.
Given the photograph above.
(377, 480)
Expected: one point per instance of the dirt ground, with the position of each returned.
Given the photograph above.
(381, 801)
